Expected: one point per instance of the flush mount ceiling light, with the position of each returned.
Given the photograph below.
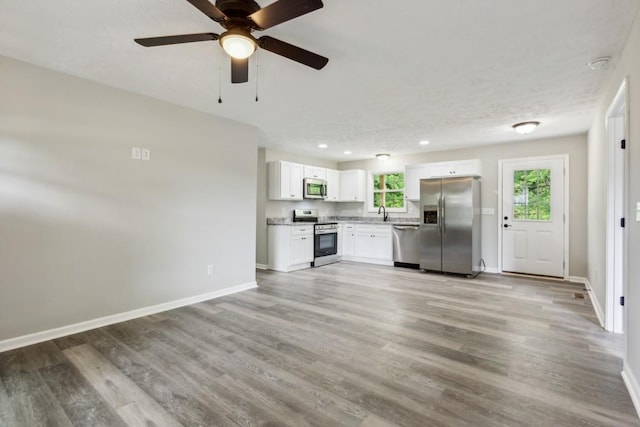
(424, 142)
(322, 145)
(238, 43)
(347, 152)
(599, 63)
(525, 127)
(383, 157)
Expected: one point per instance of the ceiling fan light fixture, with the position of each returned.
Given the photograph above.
(525, 127)
(383, 157)
(238, 44)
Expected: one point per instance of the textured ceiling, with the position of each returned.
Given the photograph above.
(455, 72)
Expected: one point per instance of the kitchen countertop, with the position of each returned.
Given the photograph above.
(346, 219)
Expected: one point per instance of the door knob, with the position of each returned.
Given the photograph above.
(506, 225)
(506, 218)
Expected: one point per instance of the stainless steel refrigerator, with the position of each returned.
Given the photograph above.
(450, 225)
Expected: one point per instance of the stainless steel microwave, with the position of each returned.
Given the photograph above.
(314, 188)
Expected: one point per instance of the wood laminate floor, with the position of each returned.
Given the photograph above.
(344, 344)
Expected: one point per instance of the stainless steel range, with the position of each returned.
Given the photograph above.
(325, 237)
(325, 244)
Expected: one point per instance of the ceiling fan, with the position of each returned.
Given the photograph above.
(240, 18)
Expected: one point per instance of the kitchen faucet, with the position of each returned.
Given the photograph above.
(385, 217)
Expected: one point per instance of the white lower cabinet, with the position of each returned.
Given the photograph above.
(348, 240)
(290, 247)
(371, 243)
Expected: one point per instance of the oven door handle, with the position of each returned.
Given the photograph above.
(326, 232)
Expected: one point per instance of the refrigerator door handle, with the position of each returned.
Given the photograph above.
(444, 225)
(439, 215)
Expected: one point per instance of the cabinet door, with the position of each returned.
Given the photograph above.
(382, 247)
(456, 168)
(293, 184)
(333, 185)
(314, 172)
(301, 249)
(441, 169)
(363, 244)
(352, 186)
(285, 181)
(348, 240)
(412, 177)
(468, 168)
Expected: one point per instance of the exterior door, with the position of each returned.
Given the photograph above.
(533, 216)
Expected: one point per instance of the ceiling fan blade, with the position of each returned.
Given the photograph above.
(208, 9)
(239, 70)
(292, 52)
(182, 38)
(282, 11)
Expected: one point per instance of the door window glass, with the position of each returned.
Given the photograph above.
(532, 195)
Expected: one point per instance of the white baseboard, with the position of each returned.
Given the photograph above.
(492, 270)
(631, 381)
(50, 334)
(594, 300)
(262, 266)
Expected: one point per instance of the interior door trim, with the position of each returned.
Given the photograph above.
(565, 159)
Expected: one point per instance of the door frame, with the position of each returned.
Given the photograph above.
(565, 160)
(615, 319)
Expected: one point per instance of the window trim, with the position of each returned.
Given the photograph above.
(370, 189)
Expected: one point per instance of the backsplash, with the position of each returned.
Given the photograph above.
(284, 209)
(360, 210)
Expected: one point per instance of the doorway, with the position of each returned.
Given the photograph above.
(616, 128)
(533, 222)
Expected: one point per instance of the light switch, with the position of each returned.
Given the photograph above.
(135, 153)
(146, 154)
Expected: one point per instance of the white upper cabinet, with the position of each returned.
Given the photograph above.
(456, 168)
(353, 186)
(412, 176)
(315, 172)
(333, 185)
(285, 181)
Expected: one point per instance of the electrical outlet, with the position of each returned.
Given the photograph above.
(210, 270)
(146, 154)
(135, 153)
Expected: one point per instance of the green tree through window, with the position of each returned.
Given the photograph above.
(532, 195)
(388, 190)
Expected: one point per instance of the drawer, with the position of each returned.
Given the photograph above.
(374, 228)
(302, 230)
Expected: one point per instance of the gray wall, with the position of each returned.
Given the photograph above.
(574, 146)
(87, 232)
(628, 65)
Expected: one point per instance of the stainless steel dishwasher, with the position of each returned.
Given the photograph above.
(406, 245)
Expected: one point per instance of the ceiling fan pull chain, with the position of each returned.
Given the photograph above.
(257, 69)
(219, 77)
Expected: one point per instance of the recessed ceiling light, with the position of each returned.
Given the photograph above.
(425, 142)
(599, 63)
(525, 127)
(347, 152)
(383, 157)
(322, 145)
